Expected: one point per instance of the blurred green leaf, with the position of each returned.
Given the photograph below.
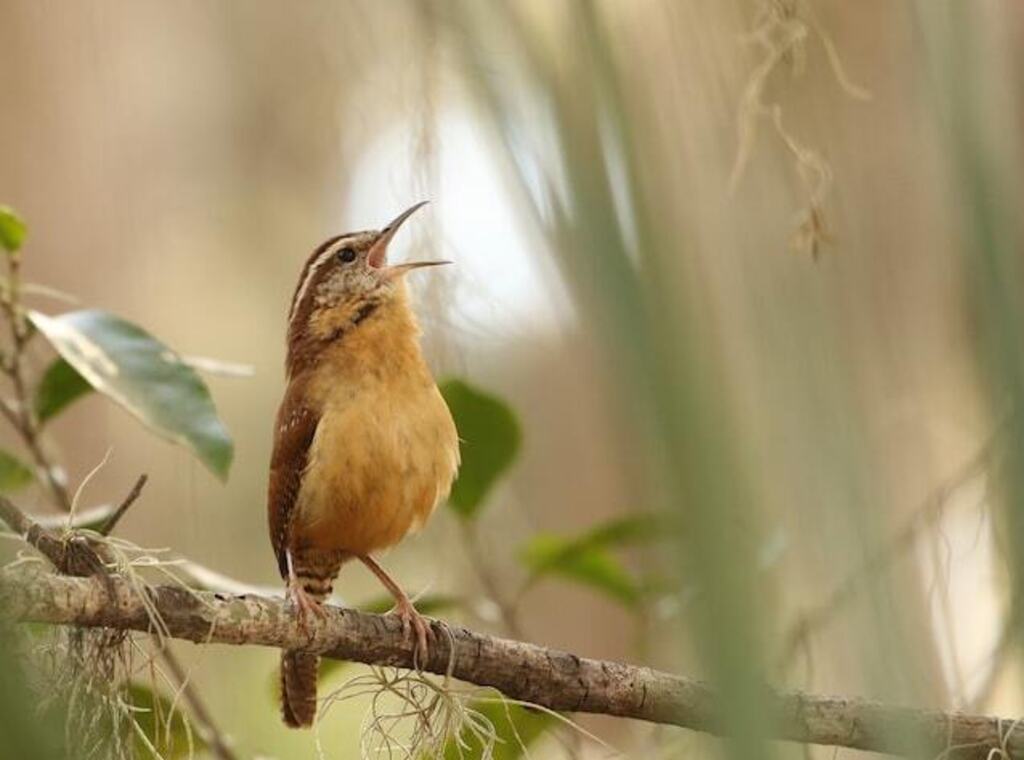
(623, 531)
(516, 727)
(13, 474)
(144, 376)
(163, 724)
(490, 436)
(546, 554)
(428, 604)
(586, 558)
(59, 386)
(12, 229)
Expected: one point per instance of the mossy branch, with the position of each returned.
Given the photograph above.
(554, 679)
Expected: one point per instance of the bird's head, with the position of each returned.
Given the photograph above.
(349, 272)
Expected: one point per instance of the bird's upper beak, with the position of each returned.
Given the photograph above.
(378, 255)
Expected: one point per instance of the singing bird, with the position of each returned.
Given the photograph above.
(364, 447)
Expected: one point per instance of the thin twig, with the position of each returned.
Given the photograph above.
(22, 417)
(108, 527)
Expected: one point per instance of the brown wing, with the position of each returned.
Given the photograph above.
(296, 426)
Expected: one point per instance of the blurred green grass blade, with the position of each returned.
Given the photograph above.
(988, 169)
(144, 376)
(621, 262)
(58, 388)
(516, 729)
(26, 733)
(13, 474)
(490, 437)
(163, 723)
(12, 229)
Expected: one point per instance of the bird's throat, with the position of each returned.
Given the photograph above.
(362, 334)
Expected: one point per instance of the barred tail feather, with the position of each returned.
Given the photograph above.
(298, 668)
(298, 688)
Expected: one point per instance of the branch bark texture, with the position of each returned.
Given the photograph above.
(557, 680)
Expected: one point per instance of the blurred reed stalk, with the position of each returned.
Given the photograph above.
(631, 273)
(971, 65)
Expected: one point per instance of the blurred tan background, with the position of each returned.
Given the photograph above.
(176, 163)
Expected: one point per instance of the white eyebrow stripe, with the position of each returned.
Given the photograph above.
(311, 273)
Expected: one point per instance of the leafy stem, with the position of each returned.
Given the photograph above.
(19, 412)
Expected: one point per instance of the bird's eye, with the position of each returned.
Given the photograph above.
(346, 255)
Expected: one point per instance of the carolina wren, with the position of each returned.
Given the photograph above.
(364, 447)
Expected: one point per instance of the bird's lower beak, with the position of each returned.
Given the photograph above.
(378, 255)
(398, 270)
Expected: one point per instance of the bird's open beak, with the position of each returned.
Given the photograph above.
(378, 255)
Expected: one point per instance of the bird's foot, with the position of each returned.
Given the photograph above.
(411, 619)
(302, 604)
(414, 622)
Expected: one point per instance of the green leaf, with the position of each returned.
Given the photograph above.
(134, 369)
(546, 554)
(13, 474)
(623, 531)
(59, 386)
(516, 728)
(490, 437)
(12, 229)
(586, 558)
(219, 366)
(163, 724)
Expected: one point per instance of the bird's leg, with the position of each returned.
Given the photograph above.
(411, 618)
(299, 599)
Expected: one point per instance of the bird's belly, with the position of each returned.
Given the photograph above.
(377, 468)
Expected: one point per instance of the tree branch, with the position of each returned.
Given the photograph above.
(554, 679)
(75, 555)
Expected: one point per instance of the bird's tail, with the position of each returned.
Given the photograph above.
(298, 687)
(299, 668)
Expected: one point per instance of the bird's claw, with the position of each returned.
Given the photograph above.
(303, 605)
(414, 622)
